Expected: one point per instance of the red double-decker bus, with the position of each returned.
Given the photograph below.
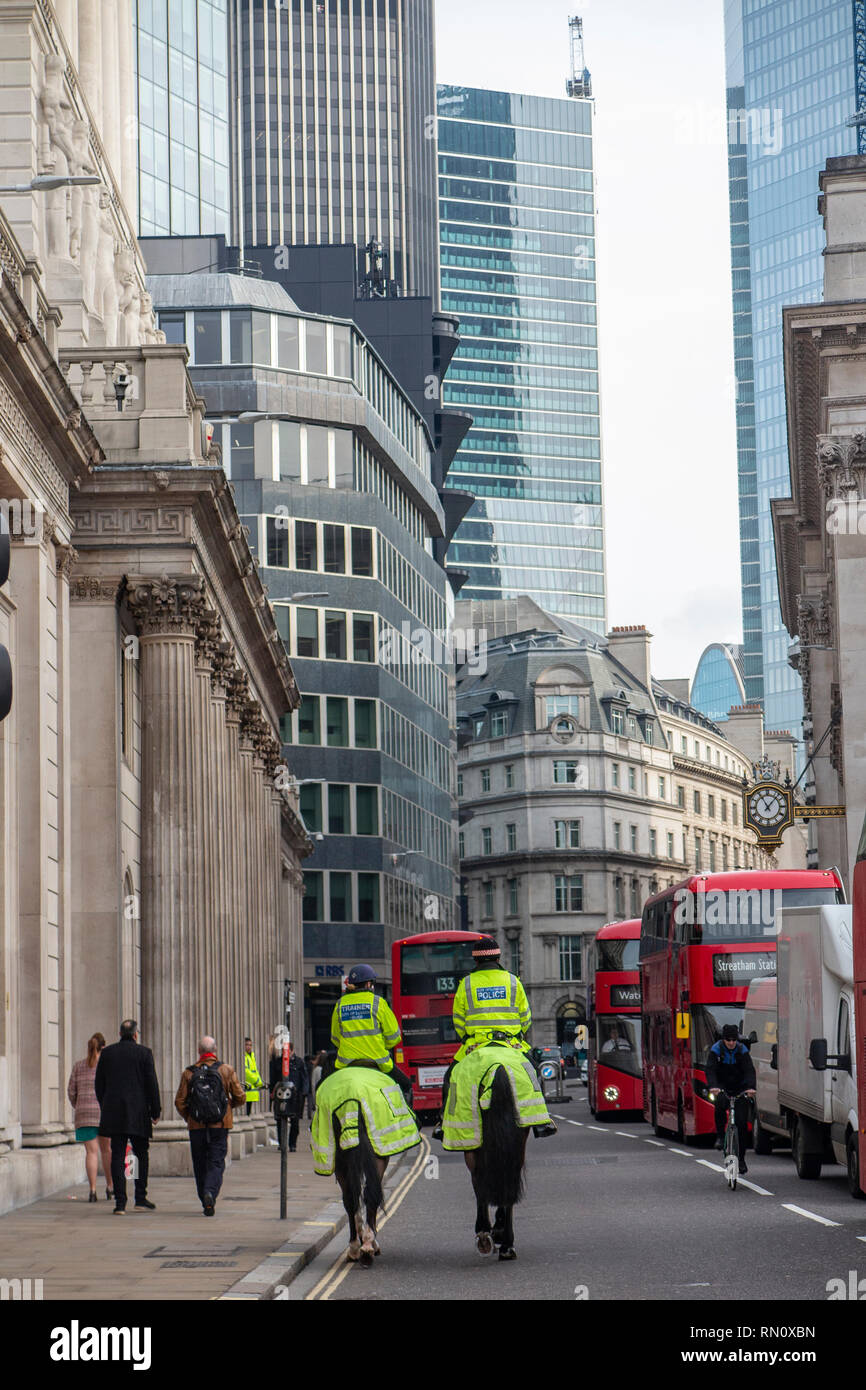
(425, 973)
(615, 1078)
(702, 943)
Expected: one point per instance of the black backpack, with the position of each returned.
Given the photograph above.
(207, 1097)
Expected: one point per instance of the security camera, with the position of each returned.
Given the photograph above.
(122, 383)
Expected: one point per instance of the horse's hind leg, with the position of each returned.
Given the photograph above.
(506, 1245)
(483, 1239)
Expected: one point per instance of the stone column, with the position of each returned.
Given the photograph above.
(208, 986)
(225, 834)
(90, 72)
(168, 610)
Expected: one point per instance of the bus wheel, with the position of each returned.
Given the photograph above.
(853, 1166)
(807, 1165)
(760, 1138)
(654, 1121)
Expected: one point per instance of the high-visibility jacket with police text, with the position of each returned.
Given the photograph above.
(469, 1094)
(487, 1002)
(363, 1028)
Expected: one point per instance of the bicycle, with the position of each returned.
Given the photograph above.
(731, 1146)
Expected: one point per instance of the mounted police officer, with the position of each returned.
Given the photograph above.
(364, 1029)
(490, 1006)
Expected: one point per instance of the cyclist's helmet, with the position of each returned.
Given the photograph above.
(730, 1032)
(361, 975)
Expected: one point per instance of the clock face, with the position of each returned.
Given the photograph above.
(767, 807)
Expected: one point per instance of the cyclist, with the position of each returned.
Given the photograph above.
(731, 1072)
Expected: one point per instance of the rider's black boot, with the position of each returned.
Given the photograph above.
(543, 1131)
(438, 1132)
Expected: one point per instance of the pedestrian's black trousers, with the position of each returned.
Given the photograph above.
(139, 1144)
(742, 1110)
(209, 1148)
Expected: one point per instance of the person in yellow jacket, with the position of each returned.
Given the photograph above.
(490, 1006)
(252, 1079)
(364, 1030)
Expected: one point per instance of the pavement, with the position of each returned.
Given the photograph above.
(81, 1251)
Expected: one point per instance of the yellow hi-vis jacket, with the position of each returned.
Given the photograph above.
(489, 1001)
(252, 1080)
(360, 1090)
(469, 1094)
(363, 1028)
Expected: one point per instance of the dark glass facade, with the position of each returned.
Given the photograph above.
(181, 57)
(334, 141)
(517, 254)
(790, 91)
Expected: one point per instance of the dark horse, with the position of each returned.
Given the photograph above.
(497, 1170)
(359, 1172)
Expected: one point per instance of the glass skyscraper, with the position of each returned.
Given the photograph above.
(791, 87)
(517, 254)
(718, 682)
(181, 59)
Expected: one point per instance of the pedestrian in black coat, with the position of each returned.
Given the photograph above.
(128, 1094)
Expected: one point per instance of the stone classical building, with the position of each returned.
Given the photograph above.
(150, 839)
(585, 786)
(820, 530)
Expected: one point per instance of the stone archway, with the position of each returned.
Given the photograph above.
(569, 1011)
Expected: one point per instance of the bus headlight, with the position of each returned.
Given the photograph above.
(611, 1093)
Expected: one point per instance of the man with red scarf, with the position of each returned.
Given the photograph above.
(209, 1090)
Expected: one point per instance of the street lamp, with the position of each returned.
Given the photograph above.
(44, 183)
(296, 598)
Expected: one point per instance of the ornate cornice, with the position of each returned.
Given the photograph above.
(208, 635)
(167, 607)
(65, 557)
(814, 621)
(92, 588)
(237, 691)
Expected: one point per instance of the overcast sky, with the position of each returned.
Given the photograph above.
(667, 383)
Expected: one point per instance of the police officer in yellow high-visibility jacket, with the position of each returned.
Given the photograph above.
(364, 1029)
(490, 1006)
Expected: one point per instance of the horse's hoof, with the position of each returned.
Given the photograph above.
(354, 1250)
(484, 1243)
(510, 1254)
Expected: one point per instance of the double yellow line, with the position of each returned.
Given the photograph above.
(341, 1266)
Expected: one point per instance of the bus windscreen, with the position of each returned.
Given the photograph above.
(617, 953)
(618, 1042)
(434, 967)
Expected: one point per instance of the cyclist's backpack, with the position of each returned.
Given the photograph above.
(207, 1097)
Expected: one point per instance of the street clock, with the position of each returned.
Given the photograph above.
(768, 810)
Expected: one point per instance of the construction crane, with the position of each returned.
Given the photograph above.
(580, 82)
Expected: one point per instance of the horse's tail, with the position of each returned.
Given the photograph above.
(499, 1161)
(358, 1169)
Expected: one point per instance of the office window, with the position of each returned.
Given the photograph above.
(511, 837)
(648, 731)
(632, 837)
(486, 840)
(309, 730)
(306, 548)
(681, 797)
(242, 456)
(663, 790)
(365, 724)
(362, 637)
(509, 776)
(368, 897)
(367, 808)
(567, 834)
(617, 835)
(277, 543)
(344, 468)
(736, 855)
(338, 722)
(568, 893)
(670, 844)
(619, 896)
(316, 334)
(335, 636)
(488, 900)
(207, 335)
(287, 342)
(461, 844)
(317, 456)
(632, 726)
(335, 549)
(635, 897)
(723, 808)
(614, 772)
(341, 897)
(362, 551)
(498, 724)
(307, 632)
(564, 771)
(512, 896)
(311, 806)
(250, 337)
(684, 744)
(289, 450)
(617, 721)
(173, 326)
(485, 779)
(460, 784)
(697, 803)
(632, 779)
(313, 897)
(711, 805)
(712, 856)
(338, 810)
(342, 351)
(570, 964)
(698, 854)
(734, 813)
(724, 856)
